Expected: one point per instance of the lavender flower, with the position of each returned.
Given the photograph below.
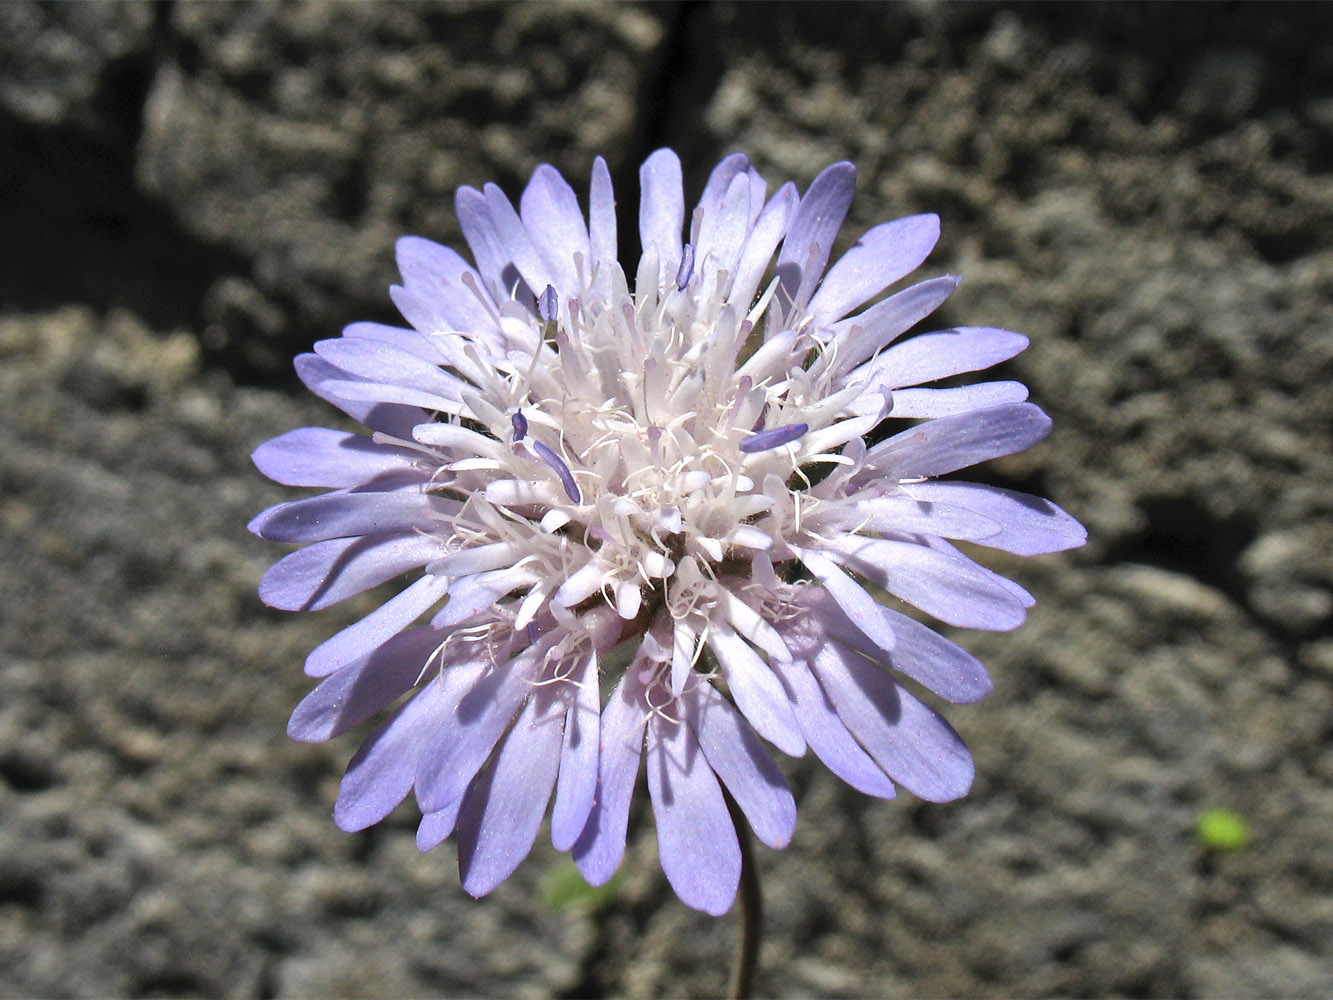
(663, 493)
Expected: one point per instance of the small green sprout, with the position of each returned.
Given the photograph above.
(1222, 830)
(565, 889)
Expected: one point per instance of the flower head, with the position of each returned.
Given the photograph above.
(639, 520)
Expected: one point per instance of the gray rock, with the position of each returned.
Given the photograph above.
(200, 190)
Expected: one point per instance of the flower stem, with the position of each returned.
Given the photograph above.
(751, 915)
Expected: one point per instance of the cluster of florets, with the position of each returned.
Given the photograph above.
(663, 492)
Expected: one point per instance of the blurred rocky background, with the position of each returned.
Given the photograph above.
(191, 193)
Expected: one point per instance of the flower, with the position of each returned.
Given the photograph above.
(663, 492)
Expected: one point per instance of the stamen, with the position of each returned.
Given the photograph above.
(686, 270)
(774, 437)
(520, 423)
(548, 305)
(562, 470)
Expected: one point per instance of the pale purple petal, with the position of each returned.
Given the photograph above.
(815, 226)
(406, 339)
(862, 610)
(948, 444)
(551, 214)
(930, 356)
(602, 843)
(514, 236)
(357, 691)
(889, 251)
(859, 337)
(931, 403)
(504, 807)
(905, 513)
(828, 736)
(381, 773)
(757, 691)
(720, 181)
(376, 628)
(317, 456)
(1031, 526)
(662, 210)
(696, 840)
(320, 575)
(576, 790)
(321, 378)
(434, 274)
(725, 239)
(921, 654)
(488, 249)
(377, 361)
(743, 765)
(478, 720)
(435, 827)
(470, 595)
(602, 224)
(950, 587)
(340, 515)
(767, 232)
(912, 743)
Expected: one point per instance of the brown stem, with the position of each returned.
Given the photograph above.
(751, 915)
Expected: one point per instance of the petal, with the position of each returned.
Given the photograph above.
(951, 587)
(861, 610)
(696, 840)
(721, 242)
(815, 226)
(828, 736)
(662, 211)
(318, 456)
(435, 827)
(488, 249)
(941, 446)
(706, 215)
(551, 214)
(904, 513)
(931, 403)
(341, 515)
(1030, 525)
(861, 336)
(744, 767)
(930, 356)
(912, 743)
(921, 653)
(320, 377)
(884, 254)
(577, 787)
(767, 232)
(376, 628)
(602, 843)
(526, 260)
(377, 361)
(380, 774)
(757, 691)
(504, 807)
(477, 721)
(357, 691)
(434, 274)
(602, 224)
(320, 575)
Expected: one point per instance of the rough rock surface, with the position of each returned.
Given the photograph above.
(190, 193)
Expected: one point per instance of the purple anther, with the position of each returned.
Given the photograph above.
(548, 305)
(533, 633)
(520, 423)
(561, 470)
(774, 437)
(686, 266)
